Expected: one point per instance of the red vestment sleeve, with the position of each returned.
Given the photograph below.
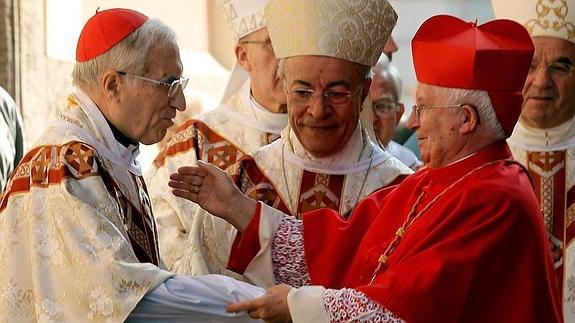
(246, 244)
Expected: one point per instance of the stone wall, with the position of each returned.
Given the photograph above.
(44, 82)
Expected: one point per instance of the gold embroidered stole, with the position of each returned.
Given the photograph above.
(549, 173)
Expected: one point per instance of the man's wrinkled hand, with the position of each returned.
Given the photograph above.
(272, 307)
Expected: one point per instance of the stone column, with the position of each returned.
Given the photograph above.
(10, 48)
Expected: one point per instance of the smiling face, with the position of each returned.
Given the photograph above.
(323, 128)
(145, 111)
(437, 130)
(549, 96)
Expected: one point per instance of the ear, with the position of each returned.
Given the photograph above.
(399, 112)
(110, 84)
(470, 120)
(242, 56)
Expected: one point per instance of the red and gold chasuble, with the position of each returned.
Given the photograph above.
(549, 173)
(316, 190)
(294, 185)
(52, 165)
(196, 137)
(549, 155)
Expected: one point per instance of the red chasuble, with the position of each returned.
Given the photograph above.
(477, 253)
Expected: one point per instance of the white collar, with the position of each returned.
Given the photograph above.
(271, 120)
(556, 138)
(128, 154)
(358, 154)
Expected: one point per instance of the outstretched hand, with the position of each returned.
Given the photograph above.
(272, 307)
(214, 191)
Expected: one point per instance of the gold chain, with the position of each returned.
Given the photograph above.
(411, 218)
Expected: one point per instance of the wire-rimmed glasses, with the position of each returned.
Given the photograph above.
(173, 87)
(306, 96)
(384, 108)
(416, 109)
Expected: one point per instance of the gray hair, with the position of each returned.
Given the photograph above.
(129, 55)
(386, 70)
(364, 71)
(480, 100)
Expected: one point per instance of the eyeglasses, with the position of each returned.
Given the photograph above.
(305, 96)
(554, 69)
(173, 87)
(416, 109)
(384, 108)
(265, 43)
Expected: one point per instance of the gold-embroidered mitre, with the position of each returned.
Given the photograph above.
(355, 31)
(244, 16)
(553, 18)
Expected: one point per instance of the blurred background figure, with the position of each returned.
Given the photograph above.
(387, 109)
(544, 138)
(11, 137)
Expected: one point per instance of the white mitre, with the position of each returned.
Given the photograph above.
(244, 17)
(552, 18)
(355, 31)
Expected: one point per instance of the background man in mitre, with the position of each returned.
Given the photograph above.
(544, 139)
(251, 114)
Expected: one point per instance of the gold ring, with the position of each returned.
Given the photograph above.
(195, 189)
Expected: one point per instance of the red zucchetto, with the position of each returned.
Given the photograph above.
(105, 29)
(494, 57)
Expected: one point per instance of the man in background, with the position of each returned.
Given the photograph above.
(387, 109)
(11, 137)
(252, 113)
(544, 138)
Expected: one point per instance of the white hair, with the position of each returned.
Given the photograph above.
(480, 100)
(131, 54)
(386, 70)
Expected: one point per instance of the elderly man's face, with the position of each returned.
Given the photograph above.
(260, 61)
(323, 123)
(145, 111)
(386, 110)
(437, 130)
(549, 91)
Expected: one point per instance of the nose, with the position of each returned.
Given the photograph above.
(412, 121)
(540, 77)
(178, 101)
(317, 108)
